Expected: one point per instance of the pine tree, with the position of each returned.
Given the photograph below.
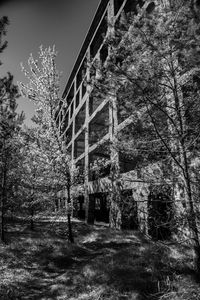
(9, 126)
(10, 123)
(155, 67)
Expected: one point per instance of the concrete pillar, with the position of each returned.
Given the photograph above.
(86, 179)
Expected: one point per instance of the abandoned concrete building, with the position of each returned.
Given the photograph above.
(89, 124)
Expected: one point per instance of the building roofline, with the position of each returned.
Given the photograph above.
(99, 12)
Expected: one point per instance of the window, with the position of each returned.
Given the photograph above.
(72, 110)
(79, 144)
(94, 102)
(68, 135)
(70, 95)
(99, 125)
(103, 53)
(117, 5)
(83, 89)
(77, 98)
(81, 73)
(80, 119)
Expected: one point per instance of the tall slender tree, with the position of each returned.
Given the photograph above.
(10, 123)
(43, 89)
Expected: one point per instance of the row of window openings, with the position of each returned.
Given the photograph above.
(104, 170)
(77, 100)
(94, 48)
(80, 117)
(96, 44)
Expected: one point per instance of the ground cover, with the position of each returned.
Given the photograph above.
(102, 264)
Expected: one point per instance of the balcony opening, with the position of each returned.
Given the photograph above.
(99, 125)
(80, 119)
(79, 145)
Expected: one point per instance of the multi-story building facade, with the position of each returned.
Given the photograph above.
(87, 123)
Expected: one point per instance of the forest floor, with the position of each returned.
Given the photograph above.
(102, 264)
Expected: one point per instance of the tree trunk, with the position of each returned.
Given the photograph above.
(3, 202)
(191, 215)
(32, 222)
(115, 217)
(115, 214)
(2, 221)
(70, 235)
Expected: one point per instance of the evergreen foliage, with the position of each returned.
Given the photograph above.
(154, 67)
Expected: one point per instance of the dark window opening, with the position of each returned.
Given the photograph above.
(129, 211)
(99, 162)
(130, 8)
(72, 110)
(79, 145)
(81, 73)
(124, 108)
(77, 99)
(68, 135)
(99, 125)
(117, 5)
(126, 162)
(104, 53)
(101, 212)
(150, 8)
(99, 37)
(57, 122)
(81, 171)
(56, 114)
(79, 209)
(80, 119)
(159, 215)
(70, 95)
(83, 89)
(69, 150)
(64, 122)
(94, 102)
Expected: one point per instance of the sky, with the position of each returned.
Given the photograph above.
(63, 23)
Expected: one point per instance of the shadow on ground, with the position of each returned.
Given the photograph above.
(103, 264)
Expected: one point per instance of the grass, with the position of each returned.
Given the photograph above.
(102, 264)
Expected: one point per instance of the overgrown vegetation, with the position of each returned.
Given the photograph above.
(151, 77)
(103, 264)
(152, 80)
